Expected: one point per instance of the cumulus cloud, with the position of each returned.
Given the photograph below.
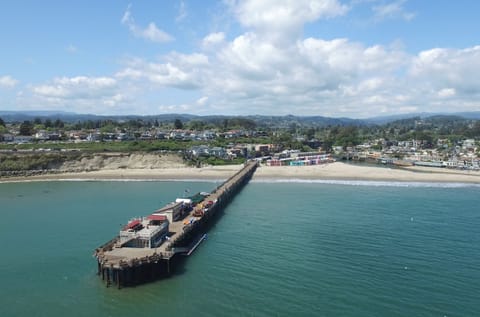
(251, 75)
(283, 20)
(313, 74)
(76, 87)
(285, 14)
(184, 71)
(7, 81)
(81, 94)
(453, 69)
(271, 68)
(151, 32)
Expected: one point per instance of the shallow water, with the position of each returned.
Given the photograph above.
(279, 249)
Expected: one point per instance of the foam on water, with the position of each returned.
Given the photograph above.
(367, 183)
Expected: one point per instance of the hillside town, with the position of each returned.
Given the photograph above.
(272, 146)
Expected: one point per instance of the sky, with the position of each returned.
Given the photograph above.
(337, 58)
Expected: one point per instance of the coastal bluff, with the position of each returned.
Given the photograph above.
(31, 164)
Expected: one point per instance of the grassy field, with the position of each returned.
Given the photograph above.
(124, 146)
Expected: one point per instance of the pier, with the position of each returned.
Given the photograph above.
(127, 260)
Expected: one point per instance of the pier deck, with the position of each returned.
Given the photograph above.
(115, 261)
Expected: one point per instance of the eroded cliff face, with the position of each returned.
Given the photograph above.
(122, 161)
(34, 164)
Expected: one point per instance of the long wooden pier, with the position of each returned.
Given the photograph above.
(127, 266)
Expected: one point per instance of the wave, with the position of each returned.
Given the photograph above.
(263, 180)
(188, 180)
(367, 183)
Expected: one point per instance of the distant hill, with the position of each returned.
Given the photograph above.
(474, 115)
(469, 115)
(20, 116)
(260, 120)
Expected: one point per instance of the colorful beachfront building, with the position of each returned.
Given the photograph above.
(302, 159)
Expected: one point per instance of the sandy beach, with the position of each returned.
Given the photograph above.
(333, 171)
(343, 171)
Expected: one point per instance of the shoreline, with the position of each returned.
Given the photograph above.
(337, 171)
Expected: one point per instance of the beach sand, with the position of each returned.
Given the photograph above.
(332, 171)
(357, 172)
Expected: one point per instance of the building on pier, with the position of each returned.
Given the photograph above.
(173, 211)
(147, 232)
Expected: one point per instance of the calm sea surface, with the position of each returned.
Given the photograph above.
(280, 249)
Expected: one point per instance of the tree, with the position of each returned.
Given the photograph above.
(26, 128)
(48, 123)
(59, 124)
(310, 133)
(108, 128)
(178, 124)
(37, 121)
(197, 125)
(346, 136)
(3, 128)
(474, 131)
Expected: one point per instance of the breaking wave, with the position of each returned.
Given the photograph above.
(368, 183)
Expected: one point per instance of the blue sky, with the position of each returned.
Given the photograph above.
(355, 58)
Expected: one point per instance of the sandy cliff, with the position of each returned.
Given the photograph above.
(29, 164)
(114, 161)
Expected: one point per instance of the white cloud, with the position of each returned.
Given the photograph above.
(283, 20)
(82, 94)
(7, 81)
(202, 101)
(447, 92)
(284, 14)
(174, 108)
(271, 68)
(213, 39)
(151, 32)
(451, 69)
(79, 93)
(392, 10)
(184, 71)
(113, 101)
(350, 58)
(80, 87)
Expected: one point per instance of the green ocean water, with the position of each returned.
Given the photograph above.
(279, 249)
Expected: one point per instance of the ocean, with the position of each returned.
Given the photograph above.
(279, 249)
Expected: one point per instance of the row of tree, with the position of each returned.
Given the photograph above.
(136, 124)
